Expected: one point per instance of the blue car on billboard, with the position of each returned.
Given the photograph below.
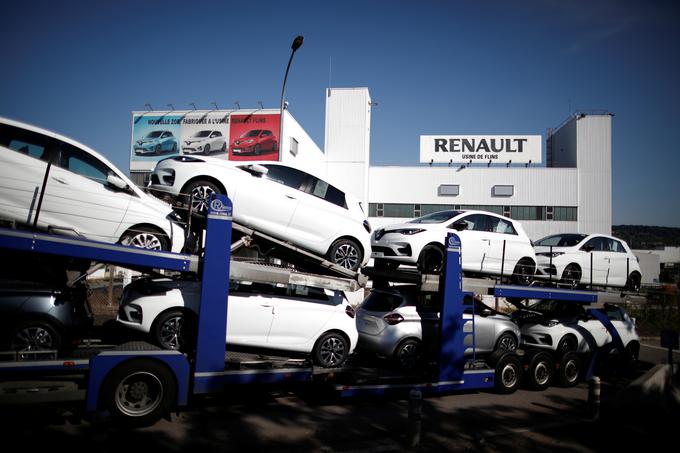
(156, 142)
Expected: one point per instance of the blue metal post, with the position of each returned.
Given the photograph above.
(212, 317)
(452, 350)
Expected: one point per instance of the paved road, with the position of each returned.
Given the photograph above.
(552, 421)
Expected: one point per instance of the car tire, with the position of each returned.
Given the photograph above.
(206, 150)
(634, 282)
(201, 191)
(408, 354)
(174, 148)
(571, 276)
(257, 149)
(34, 335)
(524, 271)
(539, 370)
(157, 150)
(331, 350)
(139, 392)
(224, 147)
(431, 259)
(175, 330)
(506, 342)
(275, 147)
(346, 253)
(508, 371)
(145, 237)
(386, 264)
(567, 343)
(569, 369)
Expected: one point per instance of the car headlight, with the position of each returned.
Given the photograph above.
(408, 231)
(550, 323)
(550, 255)
(249, 141)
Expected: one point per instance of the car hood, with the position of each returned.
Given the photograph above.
(196, 139)
(407, 225)
(147, 140)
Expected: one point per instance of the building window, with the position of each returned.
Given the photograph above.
(430, 208)
(448, 190)
(565, 213)
(293, 146)
(416, 210)
(506, 211)
(398, 210)
(549, 213)
(479, 207)
(502, 191)
(527, 212)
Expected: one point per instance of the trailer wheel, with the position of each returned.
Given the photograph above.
(539, 368)
(138, 393)
(508, 373)
(569, 369)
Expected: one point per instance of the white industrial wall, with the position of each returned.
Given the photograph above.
(532, 187)
(348, 135)
(309, 156)
(594, 151)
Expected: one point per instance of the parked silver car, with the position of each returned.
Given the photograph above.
(402, 323)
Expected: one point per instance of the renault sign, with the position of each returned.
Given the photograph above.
(498, 149)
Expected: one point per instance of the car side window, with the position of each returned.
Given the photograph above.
(501, 226)
(83, 164)
(479, 222)
(266, 133)
(616, 246)
(322, 189)
(25, 142)
(597, 244)
(287, 176)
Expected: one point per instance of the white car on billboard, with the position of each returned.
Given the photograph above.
(567, 258)
(85, 195)
(293, 318)
(205, 142)
(491, 244)
(276, 199)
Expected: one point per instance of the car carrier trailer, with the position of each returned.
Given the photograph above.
(139, 383)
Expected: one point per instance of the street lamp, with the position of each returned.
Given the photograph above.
(297, 42)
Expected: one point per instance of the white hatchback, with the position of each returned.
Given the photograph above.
(581, 259)
(276, 199)
(85, 195)
(205, 142)
(293, 318)
(491, 244)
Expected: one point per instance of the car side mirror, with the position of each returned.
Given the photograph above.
(588, 248)
(117, 182)
(257, 169)
(459, 226)
(486, 312)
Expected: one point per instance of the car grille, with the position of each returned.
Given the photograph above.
(386, 251)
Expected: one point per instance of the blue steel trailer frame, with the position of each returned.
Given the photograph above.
(208, 373)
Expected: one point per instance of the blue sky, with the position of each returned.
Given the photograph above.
(433, 67)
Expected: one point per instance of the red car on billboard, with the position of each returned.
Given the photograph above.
(255, 141)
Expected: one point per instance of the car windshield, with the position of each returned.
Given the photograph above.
(381, 301)
(561, 240)
(558, 308)
(202, 134)
(253, 133)
(154, 134)
(436, 217)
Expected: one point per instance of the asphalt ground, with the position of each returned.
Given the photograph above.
(294, 419)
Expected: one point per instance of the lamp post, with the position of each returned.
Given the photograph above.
(297, 42)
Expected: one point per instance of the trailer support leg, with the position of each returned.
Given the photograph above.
(594, 398)
(415, 415)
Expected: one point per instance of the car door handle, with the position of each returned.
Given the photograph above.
(291, 197)
(60, 180)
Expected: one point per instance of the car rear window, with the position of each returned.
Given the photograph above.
(381, 301)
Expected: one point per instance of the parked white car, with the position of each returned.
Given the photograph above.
(205, 142)
(85, 195)
(275, 199)
(293, 318)
(484, 237)
(568, 257)
(567, 326)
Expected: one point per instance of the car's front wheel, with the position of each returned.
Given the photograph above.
(524, 271)
(34, 336)
(197, 195)
(567, 343)
(206, 150)
(571, 276)
(346, 253)
(331, 350)
(431, 259)
(506, 342)
(146, 238)
(634, 282)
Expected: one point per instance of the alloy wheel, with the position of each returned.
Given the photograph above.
(346, 256)
(146, 240)
(332, 351)
(200, 197)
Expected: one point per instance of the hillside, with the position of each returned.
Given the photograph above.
(647, 237)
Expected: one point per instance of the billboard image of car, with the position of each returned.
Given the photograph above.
(254, 137)
(156, 142)
(205, 142)
(154, 136)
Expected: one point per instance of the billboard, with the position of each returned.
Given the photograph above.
(501, 149)
(222, 134)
